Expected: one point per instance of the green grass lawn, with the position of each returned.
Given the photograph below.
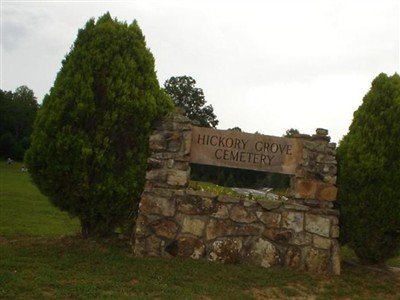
(42, 257)
(24, 211)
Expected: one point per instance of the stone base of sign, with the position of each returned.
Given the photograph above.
(299, 232)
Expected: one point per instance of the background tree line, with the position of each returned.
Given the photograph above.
(17, 113)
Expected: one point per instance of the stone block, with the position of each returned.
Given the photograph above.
(177, 177)
(228, 199)
(153, 246)
(263, 253)
(139, 247)
(196, 205)
(335, 231)
(293, 220)
(222, 212)
(187, 141)
(293, 258)
(240, 214)
(321, 242)
(153, 163)
(277, 235)
(321, 131)
(270, 219)
(330, 179)
(174, 145)
(225, 228)
(318, 225)
(296, 207)
(186, 247)
(249, 203)
(301, 239)
(312, 189)
(227, 251)
(326, 192)
(157, 142)
(317, 261)
(269, 204)
(141, 224)
(170, 163)
(193, 226)
(305, 189)
(181, 165)
(159, 175)
(164, 228)
(157, 205)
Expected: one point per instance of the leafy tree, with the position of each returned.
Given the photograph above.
(183, 92)
(18, 111)
(90, 139)
(369, 174)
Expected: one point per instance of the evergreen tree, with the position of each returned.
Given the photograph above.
(369, 174)
(183, 92)
(90, 140)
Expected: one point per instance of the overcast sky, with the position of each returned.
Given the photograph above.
(264, 66)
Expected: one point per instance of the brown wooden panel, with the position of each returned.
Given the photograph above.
(228, 148)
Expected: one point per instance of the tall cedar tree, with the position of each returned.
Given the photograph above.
(369, 174)
(90, 140)
(186, 95)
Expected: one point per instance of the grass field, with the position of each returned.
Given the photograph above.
(42, 257)
(24, 211)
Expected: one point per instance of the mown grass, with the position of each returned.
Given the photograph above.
(71, 268)
(47, 260)
(25, 211)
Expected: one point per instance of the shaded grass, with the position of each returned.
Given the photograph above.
(72, 268)
(25, 211)
(347, 254)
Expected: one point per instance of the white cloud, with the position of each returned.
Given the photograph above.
(264, 65)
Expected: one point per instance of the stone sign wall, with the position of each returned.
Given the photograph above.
(299, 232)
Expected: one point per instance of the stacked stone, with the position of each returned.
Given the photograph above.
(166, 179)
(314, 188)
(299, 233)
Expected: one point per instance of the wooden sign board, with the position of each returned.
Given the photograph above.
(234, 149)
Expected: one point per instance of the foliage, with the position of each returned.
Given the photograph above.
(18, 111)
(183, 92)
(369, 174)
(90, 140)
